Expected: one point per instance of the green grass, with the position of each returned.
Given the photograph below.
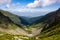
(54, 37)
(36, 25)
(12, 27)
(13, 37)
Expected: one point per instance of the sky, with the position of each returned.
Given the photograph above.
(29, 7)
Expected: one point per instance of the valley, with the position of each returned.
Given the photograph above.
(14, 27)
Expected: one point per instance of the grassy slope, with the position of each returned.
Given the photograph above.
(53, 34)
(9, 19)
(13, 17)
(5, 36)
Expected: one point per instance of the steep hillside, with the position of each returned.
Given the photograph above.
(5, 21)
(51, 26)
(9, 25)
(12, 17)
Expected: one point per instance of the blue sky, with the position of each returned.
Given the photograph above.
(23, 2)
(29, 7)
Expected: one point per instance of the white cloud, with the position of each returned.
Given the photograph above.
(4, 1)
(9, 4)
(42, 3)
(33, 10)
(12, 5)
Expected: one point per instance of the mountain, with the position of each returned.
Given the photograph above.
(45, 27)
(30, 20)
(24, 22)
(11, 24)
(50, 26)
(5, 21)
(45, 17)
(12, 17)
(15, 18)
